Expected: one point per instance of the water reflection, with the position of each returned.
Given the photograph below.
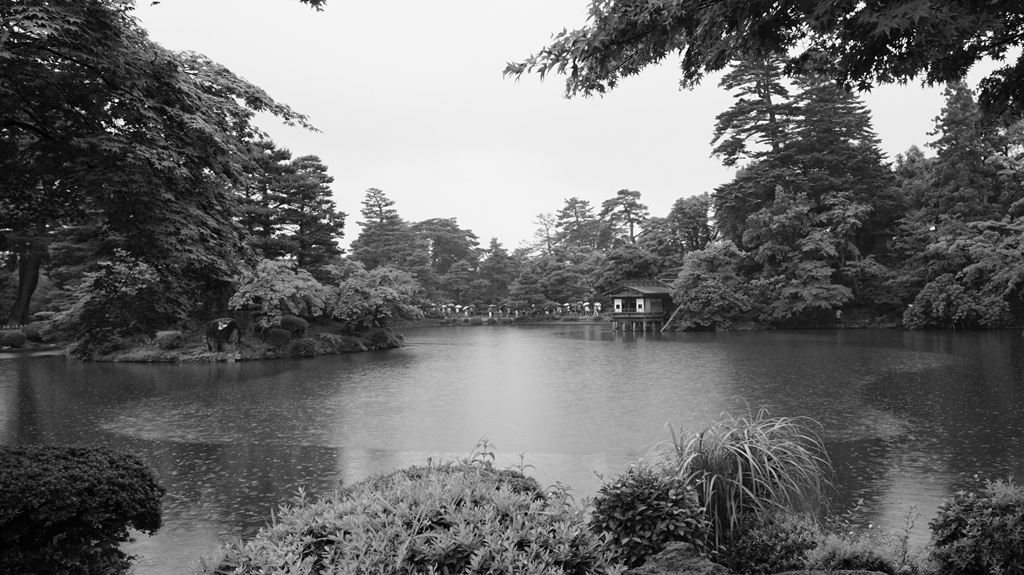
(908, 417)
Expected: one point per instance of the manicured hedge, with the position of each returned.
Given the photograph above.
(295, 325)
(65, 510)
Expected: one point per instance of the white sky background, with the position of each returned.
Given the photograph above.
(409, 97)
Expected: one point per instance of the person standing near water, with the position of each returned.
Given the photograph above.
(839, 316)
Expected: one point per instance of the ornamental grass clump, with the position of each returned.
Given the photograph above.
(454, 518)
(752, 466)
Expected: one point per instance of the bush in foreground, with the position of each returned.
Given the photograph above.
(459, 518)
(644, 510)
(980, 533)
(65, 510)
(772, 545)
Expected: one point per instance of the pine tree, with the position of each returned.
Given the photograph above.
(762, 111)
(261, 195)
(623, 215)
(447, 243)
(577, 224)
(309, 216)
(963, 184)
(498, 269)
(387, 240)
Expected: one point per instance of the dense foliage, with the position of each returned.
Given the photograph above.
(453, 518)
(92, 112)
(65, 510)
(773, 544)
(856, 44)
(643, 510)
(981, 532)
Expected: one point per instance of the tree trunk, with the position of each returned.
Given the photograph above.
(28, 279)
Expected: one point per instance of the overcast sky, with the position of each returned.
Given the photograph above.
(409, 97)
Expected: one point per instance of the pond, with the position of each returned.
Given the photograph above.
(907, 417)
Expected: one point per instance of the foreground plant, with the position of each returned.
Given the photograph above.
(454, 518)
(752, 466)
(981, 532)
(645, 509)
(67, 510)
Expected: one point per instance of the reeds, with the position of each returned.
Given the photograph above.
(753, 465)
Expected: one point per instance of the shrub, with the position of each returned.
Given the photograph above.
(294, 324)
(341, 343)
(303, 347)
(169, 339)
(839, 553)
(978, 533)
(457, 518)
(644, 510)
(492, 321)
(476, 320)
(66, 509)
(35, 331)
(379, 339)
(753, 466)
(279, 337)
(14, 338)
(772, 545)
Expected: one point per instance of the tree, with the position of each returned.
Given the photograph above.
(286, 206)
(577, 223)
(627, 262)
(260, 196)
(913, 173)
(457, 282)
(308, 215)
(710, 290)
(560, 280)
(99, 124)
(375, 299)
(623, 214)
(762, 111)
(387, 240)
(832, 158)
(688, 227)
(546, 235)
(857, 44)
(498, 269)
(447, 243)
(275, 288)
(526, 294)
(964, 182)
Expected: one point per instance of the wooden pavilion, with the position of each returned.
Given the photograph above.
(640, 305)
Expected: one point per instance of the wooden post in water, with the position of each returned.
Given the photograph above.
(672, 317)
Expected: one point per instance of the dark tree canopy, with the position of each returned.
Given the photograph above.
(101, 126)
(859, 44)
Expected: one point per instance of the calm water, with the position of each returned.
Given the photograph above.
(908, 417)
